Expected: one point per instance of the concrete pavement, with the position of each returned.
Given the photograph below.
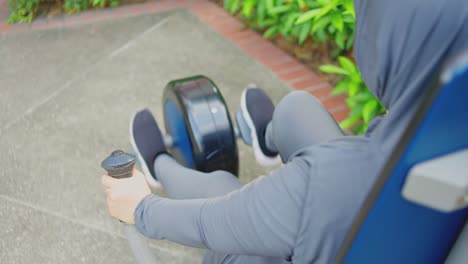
(66, 95)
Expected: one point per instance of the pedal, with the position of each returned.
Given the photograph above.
(244, 130)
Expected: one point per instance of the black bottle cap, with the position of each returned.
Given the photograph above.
(119, 164)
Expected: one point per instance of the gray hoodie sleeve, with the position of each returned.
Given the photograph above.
(261, 218)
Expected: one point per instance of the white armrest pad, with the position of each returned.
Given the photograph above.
(440, 183)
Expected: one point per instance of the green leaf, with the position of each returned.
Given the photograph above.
(247, 7)
(369, 110)
(270, 32)
(268, 22)
(339, 39)
(349, 7)
(321, 35)
(349, 42)
(301, 3)
(361, 97)
(359, 128)
(340, 88)
(348, 19)
(327, 8)
(279, 9)
(261, 11)
(235, 4)
(269, 5)
(307, 16)
(227, 3)
(351, 103)
(304, 32)
(347, 64)
(348, 122)
(356, 77)
(286, 28)
(337, 21)
(356, 111)
(321, 23)
(296, 29)
(333, 69)
(354, 88)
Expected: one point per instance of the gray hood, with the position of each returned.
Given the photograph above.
(399, 46)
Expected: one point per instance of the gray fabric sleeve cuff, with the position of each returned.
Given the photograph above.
(175, 220)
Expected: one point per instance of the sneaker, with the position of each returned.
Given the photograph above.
(257, 111)
(147, 142)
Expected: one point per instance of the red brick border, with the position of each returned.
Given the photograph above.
(287, 68)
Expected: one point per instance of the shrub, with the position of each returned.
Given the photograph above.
(321, 20)
(22, 10)
(363, 105)
(324, 21)
(26, 10)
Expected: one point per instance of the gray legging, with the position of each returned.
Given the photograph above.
(299, 112)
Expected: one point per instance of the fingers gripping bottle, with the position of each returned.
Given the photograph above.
(120, 165)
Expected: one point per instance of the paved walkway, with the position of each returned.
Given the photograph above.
(67, 92)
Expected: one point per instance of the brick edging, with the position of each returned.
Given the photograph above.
(287, 68)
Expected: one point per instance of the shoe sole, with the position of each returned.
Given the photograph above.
(261, 158)
(152, 182)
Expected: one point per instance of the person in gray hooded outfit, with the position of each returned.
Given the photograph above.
(302, 211)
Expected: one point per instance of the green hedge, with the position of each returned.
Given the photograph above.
(330, 22)
(301, 19)
(26, 10)
(363, 105)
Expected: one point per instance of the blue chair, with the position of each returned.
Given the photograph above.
(392, 229)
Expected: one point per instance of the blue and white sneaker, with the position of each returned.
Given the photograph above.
(257, 112)
(147, 142)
